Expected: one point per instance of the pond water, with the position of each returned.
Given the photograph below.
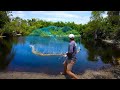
(16, 54)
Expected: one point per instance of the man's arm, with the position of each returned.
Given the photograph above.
(70, 50)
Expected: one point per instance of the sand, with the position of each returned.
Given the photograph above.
(111, 73)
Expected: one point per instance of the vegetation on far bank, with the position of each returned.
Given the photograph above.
(98, 27)
(54, 31)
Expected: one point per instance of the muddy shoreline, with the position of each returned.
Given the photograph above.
(117, 44)
(111, 73)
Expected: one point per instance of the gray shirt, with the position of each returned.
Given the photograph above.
(72, 48)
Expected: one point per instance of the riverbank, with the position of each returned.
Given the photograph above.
(111, 73)
(2, 36)
(113, 42)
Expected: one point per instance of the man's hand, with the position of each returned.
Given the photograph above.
(64, 55)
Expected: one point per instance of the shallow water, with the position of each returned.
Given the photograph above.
(16, 54)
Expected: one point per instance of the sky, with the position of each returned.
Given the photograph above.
(78, 17)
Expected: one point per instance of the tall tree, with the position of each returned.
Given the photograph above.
(114, 17)
(4, 18)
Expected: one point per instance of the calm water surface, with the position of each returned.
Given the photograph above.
(16, 54)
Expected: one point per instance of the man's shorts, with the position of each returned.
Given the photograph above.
(70, 63)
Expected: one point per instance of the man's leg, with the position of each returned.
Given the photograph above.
(65, 67)
(69, 68)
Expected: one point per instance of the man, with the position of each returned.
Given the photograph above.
(71, 58)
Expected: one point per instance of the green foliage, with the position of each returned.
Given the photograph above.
(4, 18)
(104, 28)
(53, 30)
(18, 25)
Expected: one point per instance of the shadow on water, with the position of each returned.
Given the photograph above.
(108, 53)
(7, 52)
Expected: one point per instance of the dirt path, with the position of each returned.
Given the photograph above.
(111, 73)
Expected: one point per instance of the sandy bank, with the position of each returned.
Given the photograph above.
(112, 42)
(111, 73)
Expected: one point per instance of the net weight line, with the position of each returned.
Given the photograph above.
(41, 54)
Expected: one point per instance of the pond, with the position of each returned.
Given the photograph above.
(16, 54)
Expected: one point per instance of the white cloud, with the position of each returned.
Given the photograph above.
(53, 19)
(83, 20)
(36, 12)
(105, 15)
(58, 14)
(62, 14)
(65, 16)
(19, 14)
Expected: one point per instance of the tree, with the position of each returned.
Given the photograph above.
(114, 17)
(94, 25)
(4, 18)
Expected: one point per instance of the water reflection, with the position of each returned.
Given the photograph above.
(22, 40)
(100, 50)
(16, 55)
(7, 51)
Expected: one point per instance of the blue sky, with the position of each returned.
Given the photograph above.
(79, 17)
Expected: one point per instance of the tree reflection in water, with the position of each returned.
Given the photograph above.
(7, 52)
(97, 49)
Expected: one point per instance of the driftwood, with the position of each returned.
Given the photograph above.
(2, 36)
